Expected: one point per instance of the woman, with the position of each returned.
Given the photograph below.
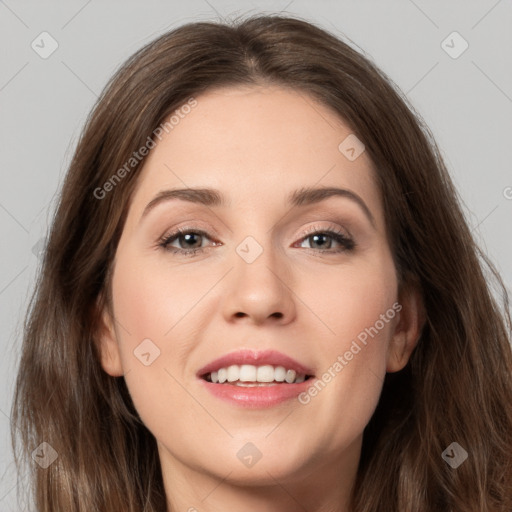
(263, 368)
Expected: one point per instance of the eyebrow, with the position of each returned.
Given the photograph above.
(212, 197)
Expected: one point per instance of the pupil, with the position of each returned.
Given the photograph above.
(188, 236)
(315, 237)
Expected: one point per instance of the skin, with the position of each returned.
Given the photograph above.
(256, 144)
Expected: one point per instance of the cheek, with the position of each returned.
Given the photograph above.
(353, 302)
(360, 309)
(151, 337)
(159, 302)
(149, 303)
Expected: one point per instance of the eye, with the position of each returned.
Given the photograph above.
(189, 241)
(318, 236)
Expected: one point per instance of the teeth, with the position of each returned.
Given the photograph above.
(222, 375)
(248, 373)
(290, 376)
(233, 373)
(280, 374)
(265, 374)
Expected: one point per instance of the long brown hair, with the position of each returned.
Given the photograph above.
(457, 386)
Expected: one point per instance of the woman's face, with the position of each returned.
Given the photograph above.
(280, 272)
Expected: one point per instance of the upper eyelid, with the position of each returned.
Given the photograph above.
(332, 227)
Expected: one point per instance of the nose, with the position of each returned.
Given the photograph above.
(260, 291)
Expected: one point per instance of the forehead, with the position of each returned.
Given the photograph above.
(256, 144)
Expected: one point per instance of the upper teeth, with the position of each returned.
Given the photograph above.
(250, 373)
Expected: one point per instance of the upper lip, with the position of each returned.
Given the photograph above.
(256, 358)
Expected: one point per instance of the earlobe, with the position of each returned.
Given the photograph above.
(408, 327)
(108, 346)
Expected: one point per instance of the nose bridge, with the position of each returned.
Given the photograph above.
(258, 261)
(256, 248)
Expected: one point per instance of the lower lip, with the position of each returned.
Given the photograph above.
(257, 397)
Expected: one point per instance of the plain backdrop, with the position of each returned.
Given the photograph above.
(464, 96)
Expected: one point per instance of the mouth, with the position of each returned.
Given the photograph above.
(248, 375)
(255, 379)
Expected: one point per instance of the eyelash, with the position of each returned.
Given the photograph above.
(347, 243)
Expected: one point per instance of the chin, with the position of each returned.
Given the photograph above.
(251, 466)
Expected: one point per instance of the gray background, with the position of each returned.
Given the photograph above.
(466, 101)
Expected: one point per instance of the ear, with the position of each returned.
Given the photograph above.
(110, 355)
(409, 323)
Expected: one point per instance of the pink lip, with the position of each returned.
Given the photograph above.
(256, 358)
(257, 397)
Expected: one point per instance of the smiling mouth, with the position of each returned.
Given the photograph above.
(247, 375)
